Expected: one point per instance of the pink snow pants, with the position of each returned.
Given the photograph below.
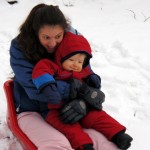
(45, 137)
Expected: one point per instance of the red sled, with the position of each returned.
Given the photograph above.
(12, 118)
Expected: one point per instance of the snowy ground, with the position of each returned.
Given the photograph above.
(119, 33)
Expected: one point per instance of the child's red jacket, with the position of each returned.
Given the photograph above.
(46, 71)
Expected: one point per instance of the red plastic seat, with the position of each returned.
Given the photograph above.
(12, 118)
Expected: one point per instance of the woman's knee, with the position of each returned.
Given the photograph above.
(43, 135)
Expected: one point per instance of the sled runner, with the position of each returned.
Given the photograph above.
(12, 118)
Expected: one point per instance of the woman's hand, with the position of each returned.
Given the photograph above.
(73, 111)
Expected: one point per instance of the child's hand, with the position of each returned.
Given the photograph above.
(73, 111)
(94, 80)
(75, 86)
(93, 96)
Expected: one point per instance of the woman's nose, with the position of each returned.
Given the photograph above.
(52, 43)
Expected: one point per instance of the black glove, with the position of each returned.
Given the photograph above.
(93, 96)
(73, 111)
(51, 93)
(93, 80)
(75, 87)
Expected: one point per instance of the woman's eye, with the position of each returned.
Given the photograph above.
(58, 36)
(46, 37)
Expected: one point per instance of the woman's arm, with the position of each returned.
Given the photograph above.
(23, 71)
(23, 75)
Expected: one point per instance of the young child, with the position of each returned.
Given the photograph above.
(72, 64)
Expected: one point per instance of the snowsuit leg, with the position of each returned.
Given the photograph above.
(73, 132)
(102, 122)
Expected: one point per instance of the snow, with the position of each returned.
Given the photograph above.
(119, 34)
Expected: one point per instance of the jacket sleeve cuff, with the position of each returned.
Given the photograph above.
(43, 80)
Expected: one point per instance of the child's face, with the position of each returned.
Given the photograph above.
(74, 63)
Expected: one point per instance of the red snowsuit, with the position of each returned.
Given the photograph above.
(98, 120)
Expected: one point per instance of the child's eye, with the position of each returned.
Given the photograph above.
(71, 59)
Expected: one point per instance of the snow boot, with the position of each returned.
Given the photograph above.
(86, 147)
(122, 140)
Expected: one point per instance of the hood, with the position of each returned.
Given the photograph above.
(70, 45)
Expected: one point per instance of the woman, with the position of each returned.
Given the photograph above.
(39, 37)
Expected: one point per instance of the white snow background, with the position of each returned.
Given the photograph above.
(119, 34)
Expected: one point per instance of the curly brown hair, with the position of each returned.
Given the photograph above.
(39, 16)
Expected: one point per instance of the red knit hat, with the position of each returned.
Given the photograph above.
(70, 45)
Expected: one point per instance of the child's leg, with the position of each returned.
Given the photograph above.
(42, 134)
(73, 132)
(102, 122)
(112, 129)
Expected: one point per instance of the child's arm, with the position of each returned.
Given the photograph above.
(93, 80)
(42, 77)
(43, 73)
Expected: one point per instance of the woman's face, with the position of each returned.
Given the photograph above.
(50, 37)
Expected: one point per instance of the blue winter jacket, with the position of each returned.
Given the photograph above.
(26, 95)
